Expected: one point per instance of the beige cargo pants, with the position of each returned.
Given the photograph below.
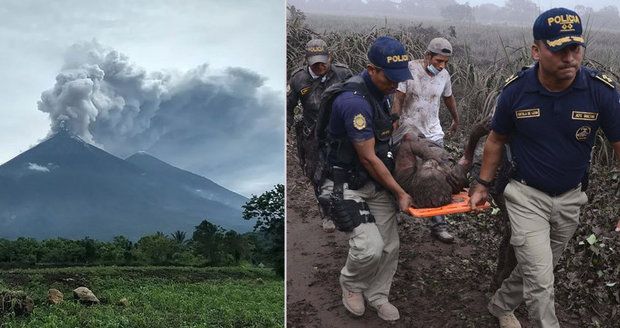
(541, 227)
(373, 247)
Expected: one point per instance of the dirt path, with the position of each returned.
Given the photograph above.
(436, 285)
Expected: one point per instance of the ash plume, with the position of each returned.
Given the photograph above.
(101, 97)
(202, 120)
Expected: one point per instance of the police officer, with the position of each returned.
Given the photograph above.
(307, 84)
(360, 183)
(549, 115)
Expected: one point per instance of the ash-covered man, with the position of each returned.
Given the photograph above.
(359, 191)
(417, 102)
(307, 84)
(549, 115)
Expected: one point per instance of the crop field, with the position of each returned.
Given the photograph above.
(485, 55)
(587, 287)
(156, 297)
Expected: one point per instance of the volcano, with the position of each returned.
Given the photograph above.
(66, 187)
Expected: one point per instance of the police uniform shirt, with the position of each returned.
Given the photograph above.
(352, 114)
(552, 133)
(308, 88)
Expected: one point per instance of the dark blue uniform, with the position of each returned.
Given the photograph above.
(359, 113)
(552, 134)
(346, 110)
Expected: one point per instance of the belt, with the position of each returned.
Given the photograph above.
(549, 193)
(354, 181)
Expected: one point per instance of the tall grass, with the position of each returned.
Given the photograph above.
(485, 55)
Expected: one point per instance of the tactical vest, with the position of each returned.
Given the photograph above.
(339, 151)
(312, 89)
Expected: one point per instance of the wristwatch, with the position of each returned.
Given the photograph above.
(485, 183)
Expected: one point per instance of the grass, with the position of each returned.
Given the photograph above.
(485, 55)
(158, 297)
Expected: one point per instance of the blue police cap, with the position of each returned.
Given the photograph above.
(558, 28)
(389, 54)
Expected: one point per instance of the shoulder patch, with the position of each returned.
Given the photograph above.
(359, 121)
(526, 67)
(606, 80)
(511, 79)
(305, 90)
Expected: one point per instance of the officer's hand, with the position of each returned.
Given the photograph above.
(404, 202)
(478, 194)
(618, 227)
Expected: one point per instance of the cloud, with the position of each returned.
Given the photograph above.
(214, 123)
(37, 167)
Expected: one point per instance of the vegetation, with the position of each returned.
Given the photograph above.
(268, 210)
(156, 297)
(210, 245)
(513, 12)
(484, 57)
(587, 277)
(165, 280)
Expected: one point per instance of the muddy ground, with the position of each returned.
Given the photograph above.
(436, 285)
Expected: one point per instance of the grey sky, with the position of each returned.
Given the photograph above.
(546, 4)
(157, 35)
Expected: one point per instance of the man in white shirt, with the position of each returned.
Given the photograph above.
(417, 102)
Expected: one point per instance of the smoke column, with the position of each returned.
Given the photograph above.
(205, 121)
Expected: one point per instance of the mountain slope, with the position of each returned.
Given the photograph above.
(202, 186)
(65, 187)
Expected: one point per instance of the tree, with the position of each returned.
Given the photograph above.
(26, 250)
(607, 17)
(179, 237)
(518, 11)
(458, 13)
(268, 210)
(237, 246)
(487, 13)
(259, 247)
(6, 247)
(121, 242)
(207, 240)
(89, 254)
(157, 249)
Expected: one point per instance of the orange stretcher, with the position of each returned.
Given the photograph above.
(460, 204)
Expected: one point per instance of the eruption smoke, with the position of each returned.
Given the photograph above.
(101, 97)
(182, 118)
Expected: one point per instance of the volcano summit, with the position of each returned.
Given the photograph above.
(66, 187)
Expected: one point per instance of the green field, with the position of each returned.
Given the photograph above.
(158, 297)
